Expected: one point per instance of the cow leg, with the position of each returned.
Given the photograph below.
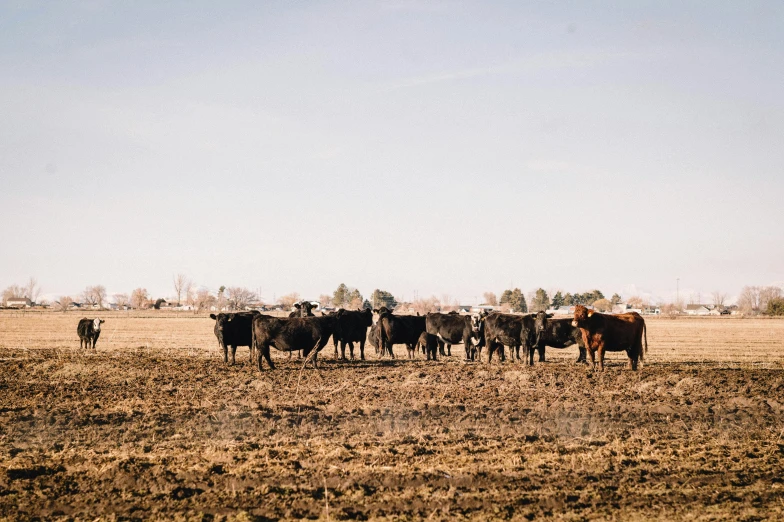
(600, 351)
(529, 354)
(315, 360)
(410, 348)
(351, 349)
(343, 349)
(362, 350)
(581, 357)
(540, 349)
(264, 352)
(449, 349)
(233, 353)
(441, 345)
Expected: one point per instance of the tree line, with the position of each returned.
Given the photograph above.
(753, 300)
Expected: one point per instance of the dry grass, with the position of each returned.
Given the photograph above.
(154, 425)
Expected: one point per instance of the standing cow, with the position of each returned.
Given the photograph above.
(510, 330)
(452, 329)
(612, 333)
(232, 330)
(296, 333)
(557, 333)
(88, 331)
(351, 327)
(398, 329)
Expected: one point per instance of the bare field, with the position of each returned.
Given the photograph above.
(153, 425)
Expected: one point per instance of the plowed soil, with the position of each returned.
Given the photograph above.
(153, 425)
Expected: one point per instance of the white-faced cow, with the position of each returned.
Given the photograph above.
(452, 329)
(88, 331)
(611, 333)
(509, 330)
(557, 333)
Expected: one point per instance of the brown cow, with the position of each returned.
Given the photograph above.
(611, 333)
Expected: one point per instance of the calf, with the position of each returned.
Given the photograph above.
(296, 333)
(232, 330)
(452, 329)
(373, 338)
(429, 344)
(88, 331)
(350, 327)
(509, 330)
(399, 329)
(611, 333)
(557, 333)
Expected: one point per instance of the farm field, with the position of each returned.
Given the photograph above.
(153, 425)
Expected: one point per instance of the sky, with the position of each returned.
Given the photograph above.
(424, 148)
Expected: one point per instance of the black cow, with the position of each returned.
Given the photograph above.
(232, 330)
(557, 333)
(429, 344)
(88, 331)
(509, 330)
(289, 334)
(351, 326)
(398, 329)
(452, 329)
(302, 309)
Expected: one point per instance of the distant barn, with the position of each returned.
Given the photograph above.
(18, 302)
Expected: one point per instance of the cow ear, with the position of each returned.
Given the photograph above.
(103, 321)
(297, 306)
(549, 315)
(590, 313)
(212, 316)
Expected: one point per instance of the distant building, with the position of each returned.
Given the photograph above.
(484, 308)
(18, 302)
(698, 309)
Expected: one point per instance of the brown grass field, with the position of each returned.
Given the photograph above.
(153, 425)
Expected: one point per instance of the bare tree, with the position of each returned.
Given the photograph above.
(88, 296)
(635, 301)
(325, 300)
(121, 300)
(239, 297)
(766, 294)
(718, 299)
(64, 303)
(423, 306)
(749, 299)
(490, 298)
(139, 298)
(97, 295)
(288, 300)
(203, 300)
(32, 290)
(181, 286)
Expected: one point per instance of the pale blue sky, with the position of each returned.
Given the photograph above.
(438, 147)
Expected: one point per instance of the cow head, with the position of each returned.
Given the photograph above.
(581, 315)
(97, 324)
(222, 320)
(540, 321)
(383, 310)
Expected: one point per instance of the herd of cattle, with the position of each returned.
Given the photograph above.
(593, 332)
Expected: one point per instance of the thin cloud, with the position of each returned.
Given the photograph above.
(544, 61)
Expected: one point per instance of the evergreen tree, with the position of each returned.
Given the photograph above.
(558, 300)
(540, 302)
(615, 299)
(381, 298)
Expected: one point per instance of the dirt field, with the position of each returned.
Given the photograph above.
(154, 426)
